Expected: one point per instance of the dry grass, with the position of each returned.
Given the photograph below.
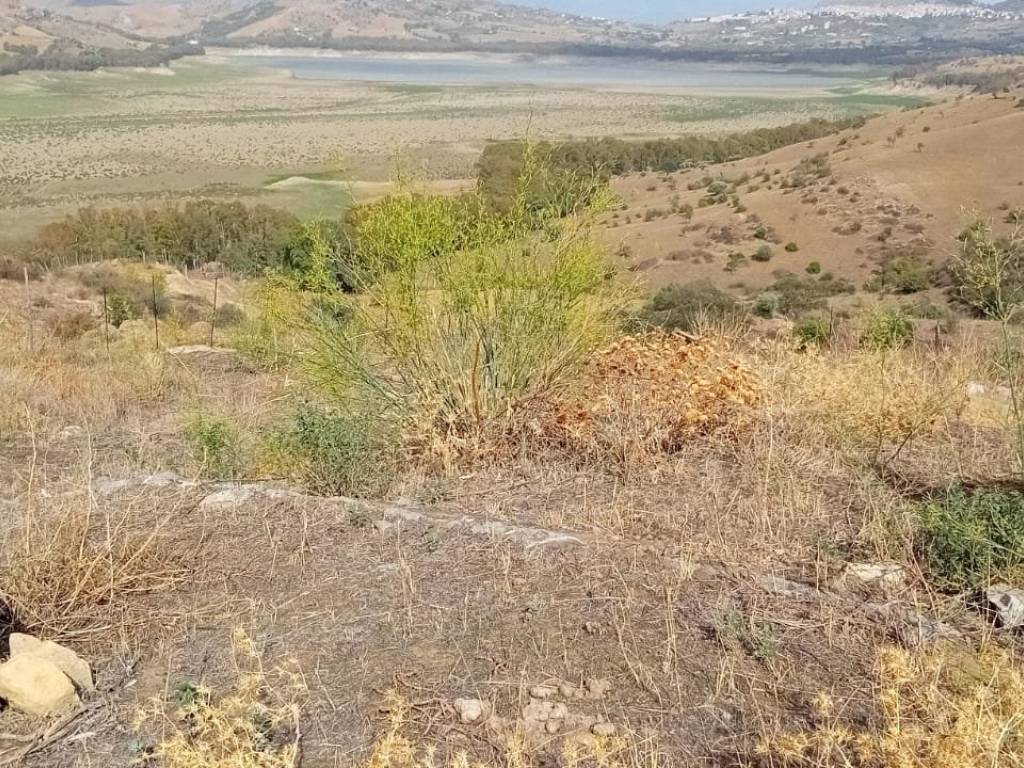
(942, 708)
(395, 749)
(73, 571)
(254, 726)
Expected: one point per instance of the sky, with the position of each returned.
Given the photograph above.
(658, 10)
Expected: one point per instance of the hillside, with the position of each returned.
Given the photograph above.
(896, 188)
(307, 22)
(854, 33)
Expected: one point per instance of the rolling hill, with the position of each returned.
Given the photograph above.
(900, 188)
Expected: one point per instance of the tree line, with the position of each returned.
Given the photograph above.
(23, 58)
(244, 239)
(571, 166)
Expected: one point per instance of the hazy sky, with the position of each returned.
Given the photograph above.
(659, 10)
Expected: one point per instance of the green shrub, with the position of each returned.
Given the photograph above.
(465, 314)
(763, 254)
(792, 247)
(244, 239)
(119, 310)
(216, 446)
(970, 538)
(902, 275)
(686, 307)
(334, 453)
(798, 295)
(888, 329)
(767, 304)
(812, 332)
(814, 268)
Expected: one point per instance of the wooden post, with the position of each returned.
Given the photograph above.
(213, 317)
(156, 322)
(28, 313)
(106, 322)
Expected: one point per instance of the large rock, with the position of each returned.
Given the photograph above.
(1008, 603)
(36, 686)
(66, 660)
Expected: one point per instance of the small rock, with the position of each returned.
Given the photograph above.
(67, 661)
(606, 730)
(887, 575)
(229, 497)
(1009, 604)
(558, 712)
(36, 686)
(553, 726)
(567, 691)
(71, 432)
(538, 711)
(591, 628)
(598, 687)
(470, 710)
(784, 587)
(543, 691)
(976, 389)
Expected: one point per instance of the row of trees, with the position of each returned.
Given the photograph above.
(21, 58)
(572, 165)
(242, 238)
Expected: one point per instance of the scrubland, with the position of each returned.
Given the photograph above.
(447, 487)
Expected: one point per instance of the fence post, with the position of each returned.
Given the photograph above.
(28, 314)
(213, 317)
(106, 322)
(156, 322)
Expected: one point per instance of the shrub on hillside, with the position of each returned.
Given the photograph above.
(798, 295)
(689, 306)
(216, 446)
(886, 329)
(763, 254)
(902, 275)
(466, 314)
(332, 452)
(812, 332)
(989, 271)
(970, 538)
(132, 290)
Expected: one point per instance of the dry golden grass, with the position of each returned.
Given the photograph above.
(254, 726)
(941, 708)
(74, 570)
(395, 749)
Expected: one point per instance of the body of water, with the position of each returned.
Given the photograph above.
(484, 70)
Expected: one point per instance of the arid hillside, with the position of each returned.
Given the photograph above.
(308, 21)
(896, 188)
